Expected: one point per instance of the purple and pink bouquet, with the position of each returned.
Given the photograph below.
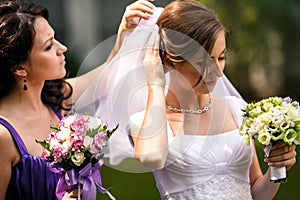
(269, 121)
(76, 147)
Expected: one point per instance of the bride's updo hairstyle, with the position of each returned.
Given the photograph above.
(184, 23)
(17, 35)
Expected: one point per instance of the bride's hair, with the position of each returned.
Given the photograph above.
(190, 19)
(16, 41)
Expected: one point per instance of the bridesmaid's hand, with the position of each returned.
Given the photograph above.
(73, 195)
(282, 154)
(140, 9)
(152, 61)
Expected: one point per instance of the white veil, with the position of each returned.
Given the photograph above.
(121, 90)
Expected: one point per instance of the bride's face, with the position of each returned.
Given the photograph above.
(200, 79)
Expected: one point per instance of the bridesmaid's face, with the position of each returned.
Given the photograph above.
(47, 60)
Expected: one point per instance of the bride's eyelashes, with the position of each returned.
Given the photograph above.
(222, 58)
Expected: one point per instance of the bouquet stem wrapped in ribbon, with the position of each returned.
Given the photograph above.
(87, 179)
(269, 121)
(277, 174)
(75, 148)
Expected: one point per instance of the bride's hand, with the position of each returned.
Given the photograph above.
(140, 9)
(152, 61)
(282, 154)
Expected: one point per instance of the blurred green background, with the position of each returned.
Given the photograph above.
(263, 60)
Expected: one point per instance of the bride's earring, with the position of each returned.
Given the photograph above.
(25, 86)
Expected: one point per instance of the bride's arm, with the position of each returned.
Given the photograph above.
(261, 186)
(150, 139)
(135, 11)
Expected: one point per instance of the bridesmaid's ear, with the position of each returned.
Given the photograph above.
(20, 71)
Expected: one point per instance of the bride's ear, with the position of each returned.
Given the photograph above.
(165, 59)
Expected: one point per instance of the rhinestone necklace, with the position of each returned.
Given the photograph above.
(180, 110)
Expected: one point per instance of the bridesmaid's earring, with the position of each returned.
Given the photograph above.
(25, 86)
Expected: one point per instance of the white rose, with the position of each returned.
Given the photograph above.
(54, 142)
(267, 106)
(255, 112)
(69, 120)
(255, 127)
(66, 145)
(264, 137)
(293, 114)
(94, 123)
(277, 117)
(88, 141)
(63, 134)
(78, 158)
(265, 118)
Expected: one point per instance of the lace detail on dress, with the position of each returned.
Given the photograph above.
(221, 187)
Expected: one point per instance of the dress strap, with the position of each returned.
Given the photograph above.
(58, 114)
(16, 137)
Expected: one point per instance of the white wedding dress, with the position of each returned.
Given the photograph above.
(206, 167)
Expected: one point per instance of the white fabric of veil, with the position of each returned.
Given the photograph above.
(121, 89)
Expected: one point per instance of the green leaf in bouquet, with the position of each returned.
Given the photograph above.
(110, 132)
(92, 131)
(43, 143)
(297, 140)
(297, 125)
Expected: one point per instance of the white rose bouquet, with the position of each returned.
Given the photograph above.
(75, 147)
(269, 121)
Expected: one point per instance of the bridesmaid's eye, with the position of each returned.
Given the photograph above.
(49, 47)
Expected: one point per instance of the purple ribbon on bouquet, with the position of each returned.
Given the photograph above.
(88, 177)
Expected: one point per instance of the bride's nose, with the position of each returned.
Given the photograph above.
(220, 69)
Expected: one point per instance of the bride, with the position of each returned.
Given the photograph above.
(181, 113)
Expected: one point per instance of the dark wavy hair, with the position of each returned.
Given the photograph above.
(16, 42)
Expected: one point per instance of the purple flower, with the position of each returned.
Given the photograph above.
(76, 142)
(287, 99)
(100, 140)
(95, 151)
(80, 124)
(57, 153)
(45, 154)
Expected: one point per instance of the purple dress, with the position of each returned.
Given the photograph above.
(30, 177)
